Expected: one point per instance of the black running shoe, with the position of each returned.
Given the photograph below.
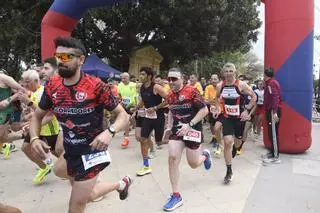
(228, 178)
(124, 193)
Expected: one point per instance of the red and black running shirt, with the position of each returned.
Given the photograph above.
(79, 110)
(184, 105)
(232, 100)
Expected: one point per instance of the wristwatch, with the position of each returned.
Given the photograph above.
(112, 130)
(191, 124)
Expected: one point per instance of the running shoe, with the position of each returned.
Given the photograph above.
(173, 203)
(125, 143)
(42, 173)
(228, 177)
(144, 171)
(125, 192)
(274, 160)
(6, 151)
(208, 161)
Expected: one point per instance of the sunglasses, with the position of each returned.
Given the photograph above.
(173, 79)
(65, 57)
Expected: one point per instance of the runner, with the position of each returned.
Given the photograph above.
(210, 95)
(49, 126)
(260, 111)
(7, 86)
(231, 92)
(77, 101)
(127, 92)
(151, 99)
(187, 109)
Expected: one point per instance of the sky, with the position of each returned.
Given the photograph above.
(258, 48)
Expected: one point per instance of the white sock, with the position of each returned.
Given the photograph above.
(122, 185)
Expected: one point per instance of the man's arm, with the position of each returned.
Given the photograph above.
(246, 90)
(158, 89)
(10, 82)
(122, 118)
(275, 96)
(200, 115)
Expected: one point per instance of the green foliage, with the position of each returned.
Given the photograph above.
(20, 33)
(181, 30)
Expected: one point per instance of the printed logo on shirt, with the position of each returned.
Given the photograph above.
(81, 96)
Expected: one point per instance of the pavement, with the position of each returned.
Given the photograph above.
(290, 187)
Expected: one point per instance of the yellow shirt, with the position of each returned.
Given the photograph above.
(210, 93)
(166, 88)
(51, 128)
(198, 87)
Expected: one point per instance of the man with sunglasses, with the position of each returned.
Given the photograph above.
(187, 108)
(78, 100)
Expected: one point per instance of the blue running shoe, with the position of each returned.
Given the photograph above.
(208, 161)
(173, 203)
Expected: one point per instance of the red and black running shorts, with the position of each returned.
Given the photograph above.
(76, 169)
(260, 110)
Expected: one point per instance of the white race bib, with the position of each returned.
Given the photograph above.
(91, 160)
(142, 113)
(193, 135)
(260, 101)
(233, 110)
(151, 115)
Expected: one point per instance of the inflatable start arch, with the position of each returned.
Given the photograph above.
(288, 49)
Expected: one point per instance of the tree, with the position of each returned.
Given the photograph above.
(20, 33)
(180, 29)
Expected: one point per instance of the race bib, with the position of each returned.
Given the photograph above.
(233, 110)
(91, 160)
(193, 135)
(142, 113)
(260, 101)
(151, 115)
(126, 101)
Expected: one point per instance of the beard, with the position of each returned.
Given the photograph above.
(65, 72)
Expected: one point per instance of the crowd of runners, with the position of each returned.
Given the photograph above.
(67, 120)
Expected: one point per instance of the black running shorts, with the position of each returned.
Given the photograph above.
(233, 126)
(153, 124)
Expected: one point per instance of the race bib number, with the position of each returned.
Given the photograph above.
(193, 135)
(233, 110)
(142, 113)
(126, 101)
(91, 160)
(151, 115)
(260, 101)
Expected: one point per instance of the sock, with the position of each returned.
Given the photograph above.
(229, 169)
(205, 154)
(146, 162)
(176, 194)
(122, 184)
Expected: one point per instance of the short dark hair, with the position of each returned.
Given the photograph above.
(157, 76)
(70, 43)
(52, 61)
(269, 72)
(148, 70)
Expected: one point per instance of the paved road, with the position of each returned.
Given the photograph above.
(293, 186)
